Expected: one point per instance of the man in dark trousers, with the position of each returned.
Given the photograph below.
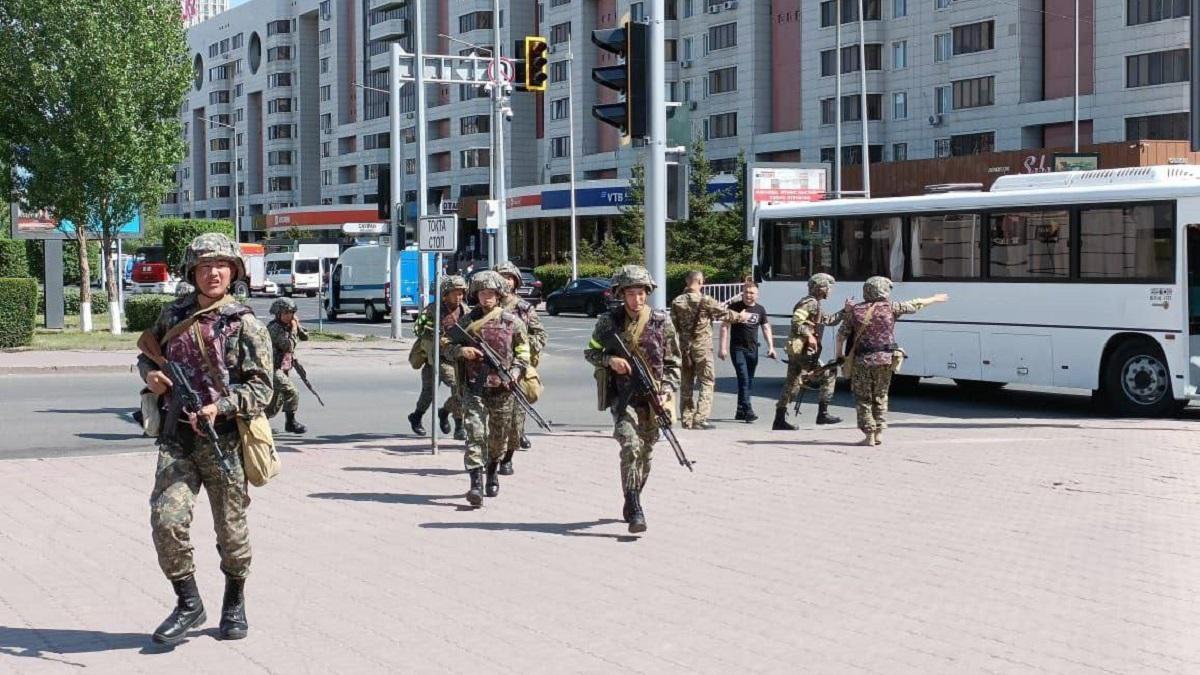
(741, 342)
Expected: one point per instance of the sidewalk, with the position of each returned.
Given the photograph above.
(328, 354)
(997, 546)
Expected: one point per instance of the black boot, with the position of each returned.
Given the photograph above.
(823, 416)
(493, 482)
(740, 415)
(188, 613)
(751, 416)
(292, 425)
(627, 510)
(637, 519)
(781, 423)
(525, 444)
(444, 421)
(506, 464)
(475, 494)
(414, 421)
(460, 434)
(233, 609)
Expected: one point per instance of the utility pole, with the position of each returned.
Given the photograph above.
(1075, 102)
(862, 78)
(422, 130)
(837, 101)
(397, 180)
(656, 146)
(571, 142)
(500, 192)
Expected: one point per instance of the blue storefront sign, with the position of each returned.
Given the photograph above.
(585, 198)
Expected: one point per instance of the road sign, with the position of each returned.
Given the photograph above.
(489, 215)
(438, 234)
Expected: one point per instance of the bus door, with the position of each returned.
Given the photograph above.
(1193, 300)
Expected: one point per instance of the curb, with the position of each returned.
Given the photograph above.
(64, 370)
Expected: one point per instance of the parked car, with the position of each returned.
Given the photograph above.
(531, 288)
(590, 295)
(150, 273)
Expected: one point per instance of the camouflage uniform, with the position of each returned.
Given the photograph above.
(875, 345)
(808, 325)
(692, 314)
(237, 379)
(424, 333)
(537, 343)
(284, 342)
(487, 404)
(635, 427)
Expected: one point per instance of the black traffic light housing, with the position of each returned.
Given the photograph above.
(632, 79)
(383, 192)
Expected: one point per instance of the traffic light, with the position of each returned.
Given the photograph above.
(632, 42)
(537, 64)
(383, 192)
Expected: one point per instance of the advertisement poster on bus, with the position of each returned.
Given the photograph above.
(783, 183)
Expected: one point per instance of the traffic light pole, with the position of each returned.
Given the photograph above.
(397, 197)
(499, 187)
(656, 174)
(421, 131)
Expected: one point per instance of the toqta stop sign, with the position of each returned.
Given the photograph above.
(437, 234)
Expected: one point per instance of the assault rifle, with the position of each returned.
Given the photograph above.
(640, 382)
(304, 378)
(184, 399)
(492, 359)
(828, 367)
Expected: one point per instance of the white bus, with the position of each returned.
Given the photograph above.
(1086, 280)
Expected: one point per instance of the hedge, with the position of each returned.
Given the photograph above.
(14, 261)
(71, 301)
(554, 277)
(177, 234)
(18, 311)
(141, 311)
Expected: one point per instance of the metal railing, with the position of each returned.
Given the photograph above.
(723, 293)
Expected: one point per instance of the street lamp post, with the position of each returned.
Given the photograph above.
(571, 149)
(237, 225)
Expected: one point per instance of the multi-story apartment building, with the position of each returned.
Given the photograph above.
(195, 11)
(943, 78)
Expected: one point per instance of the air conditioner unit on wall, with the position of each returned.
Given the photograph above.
(686, 63)
(935, 120)
(730, 4)
(714, 9)
(692, 105)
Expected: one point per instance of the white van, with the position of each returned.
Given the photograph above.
(361, 283)
(294, 273)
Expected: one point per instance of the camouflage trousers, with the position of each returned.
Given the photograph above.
(870, 386)
(515, 431)
(636, 430)
(696, 371)
(286, 397)
(488, 419)
(449, 395)
(798, 379)
(184, 464)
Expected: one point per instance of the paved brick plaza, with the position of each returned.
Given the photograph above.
(997, 546)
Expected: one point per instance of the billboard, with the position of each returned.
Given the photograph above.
(783, 183)
(40, 224)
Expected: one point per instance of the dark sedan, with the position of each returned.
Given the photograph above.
(530, 290)
(590, 296)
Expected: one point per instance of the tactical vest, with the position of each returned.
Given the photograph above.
(219, 331)
(874, 342)
(283, 360)
(497, 334)
(653, 344)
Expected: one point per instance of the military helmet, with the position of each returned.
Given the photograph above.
(453, 283)
(488, 280)
(282, 305)
(876, 289)
(213, 246)
(820, 280)
(511, 270)
(633, 275)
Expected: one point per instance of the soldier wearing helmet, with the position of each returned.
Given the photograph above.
(693, 314)
(537, 342)
(651, 334)
(804, 354)
(285, 330)
(487, 404)
(453, 289)
(874, 355)
(227, 356)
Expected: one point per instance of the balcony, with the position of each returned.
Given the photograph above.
(387, 4)
(392, 29)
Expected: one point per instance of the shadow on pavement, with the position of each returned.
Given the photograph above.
(111, 437)
(565, 529)
(388, 498)
(408, 472)
(123, 413)
(44, 643)
(409, 443)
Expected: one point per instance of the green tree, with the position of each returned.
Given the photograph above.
(631, 226)
(90, 92)
(714, 231)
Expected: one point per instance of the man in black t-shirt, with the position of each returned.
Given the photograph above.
(744, 346)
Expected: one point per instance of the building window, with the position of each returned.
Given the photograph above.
(689, 8)
(325, 13)
(326, 36)
(237, 90)
(972, 144)
(560, 147)
(219, 168)
(941, 148)
(849, 11)
(637, 11)
(947, 246)
(722, 81)
(828, 110)
(279, 157)
(1143, 70)
(1029, 244)
(280, 26)
(852, 107)
(326, 121)
(850, 59)
(474, 21)
(941, 47)
(722, 37)
(899, 8)
(900, 54)
(1127, 242)
(1146, 11)
(326, 92)
(217, 144)
(974, 93)
(975, 37)
(900, 105)
(475, 124)
(474, 158)
(560, 33)
(559, 109)
(899, 152)
(279, 183)
(326, 148)
(213, 50)
(324, 65)
(218, 192)
(943, 4)
(279, 105)
(280, 53)
(723, 125)
(1168, 127)
(279, 80)
(279, 131)
(943, 99)
(219, 96)
(558, 71)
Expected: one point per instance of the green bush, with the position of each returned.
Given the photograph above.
(13, 259)
(18, 310)
(37, 259)
(71, 301)
(554, 277)
(177, 234)
(141, 311)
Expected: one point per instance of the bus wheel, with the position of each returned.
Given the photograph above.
(331, 314)
(1136, 381)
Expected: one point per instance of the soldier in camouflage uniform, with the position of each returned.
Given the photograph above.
(804, 354)
(487, 403)
(693, 313)
(537, 342)
(873, 326)
(651, 335)
(285, 330)
(226, 353)
(453, 289)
